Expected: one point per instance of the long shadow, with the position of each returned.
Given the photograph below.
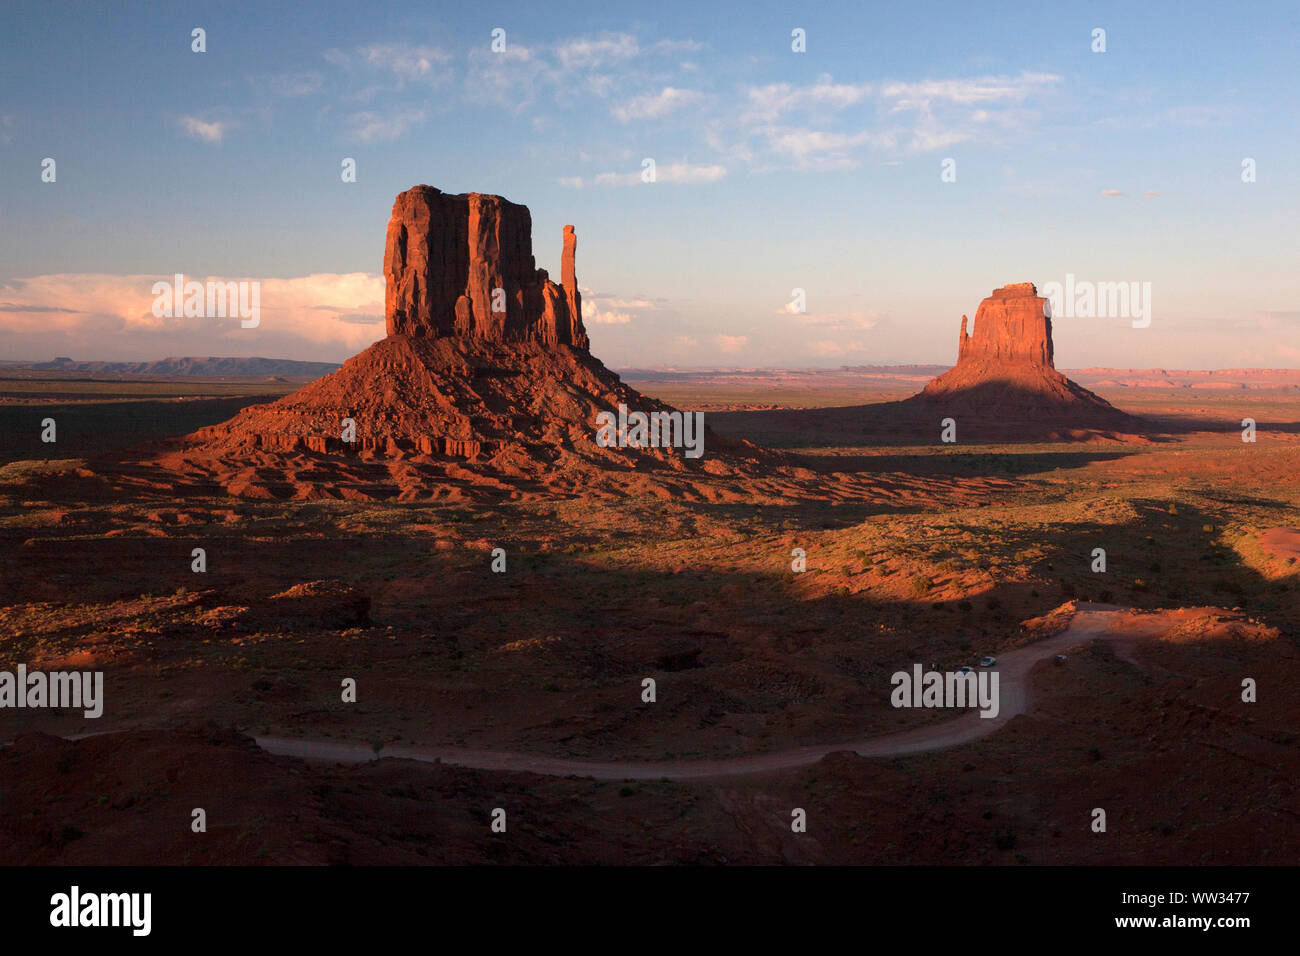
(901, 424)
(86, 429)
(911, 422)
(611, 622)
(957, 463)
(1173, 425)
(550, 657)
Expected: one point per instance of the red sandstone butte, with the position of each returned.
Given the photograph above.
(459, 398)
(1006, 371)
(445, 257)
(1012, 326)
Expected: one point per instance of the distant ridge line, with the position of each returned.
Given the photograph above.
(205, 366)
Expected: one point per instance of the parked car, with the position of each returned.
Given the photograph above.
(988, 661)
(965, 670)
(1060, 658)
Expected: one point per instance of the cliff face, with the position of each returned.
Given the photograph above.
(1011, 326)
(462, 265)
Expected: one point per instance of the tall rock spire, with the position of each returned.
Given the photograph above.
(569, 279)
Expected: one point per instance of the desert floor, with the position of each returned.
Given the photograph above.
(950, 552)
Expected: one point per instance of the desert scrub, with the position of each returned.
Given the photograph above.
(920, 585)
(38, 468)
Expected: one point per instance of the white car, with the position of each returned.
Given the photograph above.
(988, 661)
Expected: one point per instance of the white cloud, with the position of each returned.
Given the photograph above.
(768, 103)
(819, 149)
(836, 320)
(337, 58)
(588, 52)
(209, 132)
(913, 117)
(731, 343)
(510, 78)
(601, 309)
(608, 66)
(926, 140)
(686, 173)
(656, 105)
(965, 92)
(405, 60)
(296, 84)
(371, 127)
(91, 314)
(601, 317)
(942, 113)
(615, 303)
(680, 173)
(1112, 193)
(611, 66)
(674, 47)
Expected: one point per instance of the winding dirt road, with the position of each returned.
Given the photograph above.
(1090, 622)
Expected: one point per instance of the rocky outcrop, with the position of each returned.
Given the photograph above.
(1005, 379)
(462, 265)
(466, 396)
(1012, 325)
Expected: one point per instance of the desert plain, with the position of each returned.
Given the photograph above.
(222, 687)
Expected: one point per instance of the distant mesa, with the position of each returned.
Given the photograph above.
(196, 366)
(1004, 388)
(1006, 374)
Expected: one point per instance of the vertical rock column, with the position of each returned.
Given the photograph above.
(426, 261)
(449, 259)
(1011, 326)
(569, 280)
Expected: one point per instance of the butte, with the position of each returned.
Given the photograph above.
(1005, 382)
(485, 382)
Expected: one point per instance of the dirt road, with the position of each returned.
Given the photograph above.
(1090, 622)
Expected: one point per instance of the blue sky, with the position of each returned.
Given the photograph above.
(776, 170)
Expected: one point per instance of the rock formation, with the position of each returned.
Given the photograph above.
(1006, 377)
(485, 379)
(569, 280)
(463, 266)
(1013, 327)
